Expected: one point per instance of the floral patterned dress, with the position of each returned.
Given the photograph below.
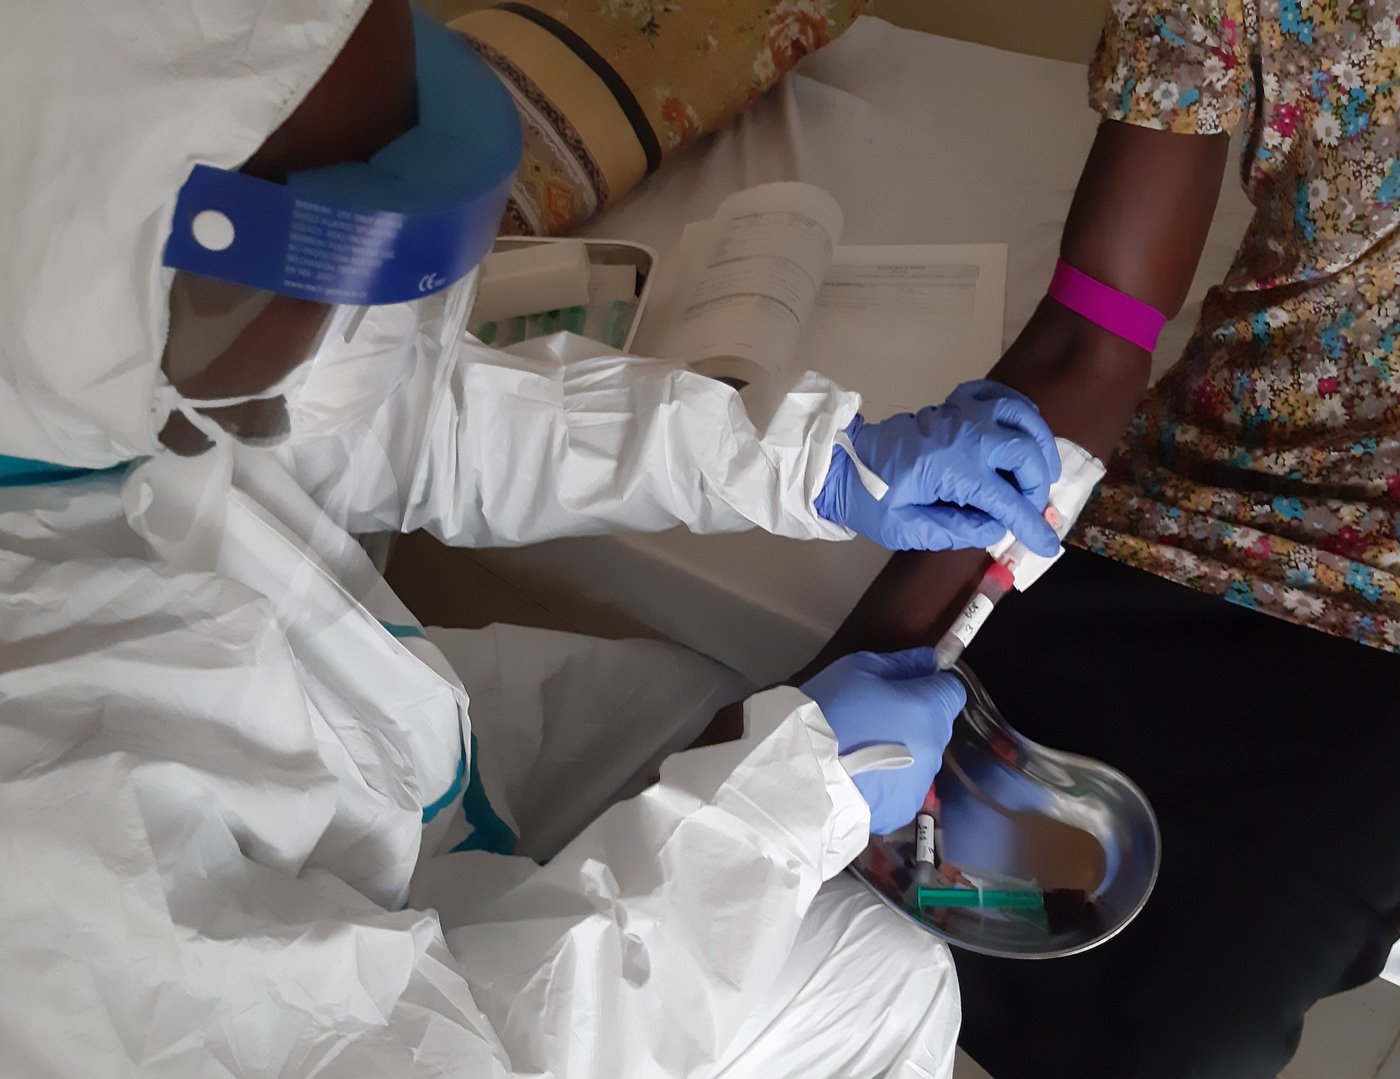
(1264, 467)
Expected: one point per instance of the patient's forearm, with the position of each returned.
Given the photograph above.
(1138, 223)
(911, 602)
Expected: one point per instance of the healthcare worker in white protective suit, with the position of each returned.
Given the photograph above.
(251, 821)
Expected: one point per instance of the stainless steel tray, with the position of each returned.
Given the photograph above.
(1016, 808)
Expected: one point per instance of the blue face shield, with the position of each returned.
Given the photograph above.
(276, 280)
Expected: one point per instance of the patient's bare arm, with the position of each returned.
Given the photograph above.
(1138, 222)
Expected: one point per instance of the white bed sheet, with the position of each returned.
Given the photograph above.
(922, 140)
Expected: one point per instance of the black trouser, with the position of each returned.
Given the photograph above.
(1270, 753)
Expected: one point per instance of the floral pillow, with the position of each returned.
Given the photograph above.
(607, 88)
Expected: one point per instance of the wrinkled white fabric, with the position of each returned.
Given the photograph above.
(104, 108)
(847, 940)
(214, 761)
(565, 437)
(557, 771)
(233, 771)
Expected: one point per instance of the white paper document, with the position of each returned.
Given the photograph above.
(905, 324)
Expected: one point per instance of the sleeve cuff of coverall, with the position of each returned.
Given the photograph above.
(848, 824)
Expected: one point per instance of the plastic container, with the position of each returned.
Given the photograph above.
(600, 253)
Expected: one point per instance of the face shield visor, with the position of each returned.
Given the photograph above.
(296, 305)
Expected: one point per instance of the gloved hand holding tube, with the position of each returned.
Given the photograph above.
(946, 472)
(892, 715)
(1014, 564)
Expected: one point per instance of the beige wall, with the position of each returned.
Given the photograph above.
(447, 10)
(1064, 29)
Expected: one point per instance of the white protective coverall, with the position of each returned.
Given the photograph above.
(251, 814)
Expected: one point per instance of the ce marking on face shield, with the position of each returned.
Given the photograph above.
(430, 281)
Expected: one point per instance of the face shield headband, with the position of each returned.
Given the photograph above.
(267, 274)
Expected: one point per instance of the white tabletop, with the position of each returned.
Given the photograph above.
(922, 140)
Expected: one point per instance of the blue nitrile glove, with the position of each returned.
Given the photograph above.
(943, 469)
(871, 699)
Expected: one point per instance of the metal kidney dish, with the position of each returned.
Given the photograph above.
(1014, 808)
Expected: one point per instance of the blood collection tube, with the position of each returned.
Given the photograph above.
(995, 583)
(999, 579)
(928, 841)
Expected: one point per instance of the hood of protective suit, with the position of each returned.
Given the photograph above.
(105, 105)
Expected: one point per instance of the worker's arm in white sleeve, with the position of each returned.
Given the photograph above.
(640, 948)
(138, 932)
(163, 795)
(138, 939)
(181, 806)
(501, 449)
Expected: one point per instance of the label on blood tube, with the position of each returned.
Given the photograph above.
(971, 618)
(924, 849)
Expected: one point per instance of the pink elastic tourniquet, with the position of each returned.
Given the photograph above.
(1117, 312)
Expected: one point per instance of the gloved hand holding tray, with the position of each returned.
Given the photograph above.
(1043, 854)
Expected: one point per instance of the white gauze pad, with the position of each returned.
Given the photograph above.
(1080, 472)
